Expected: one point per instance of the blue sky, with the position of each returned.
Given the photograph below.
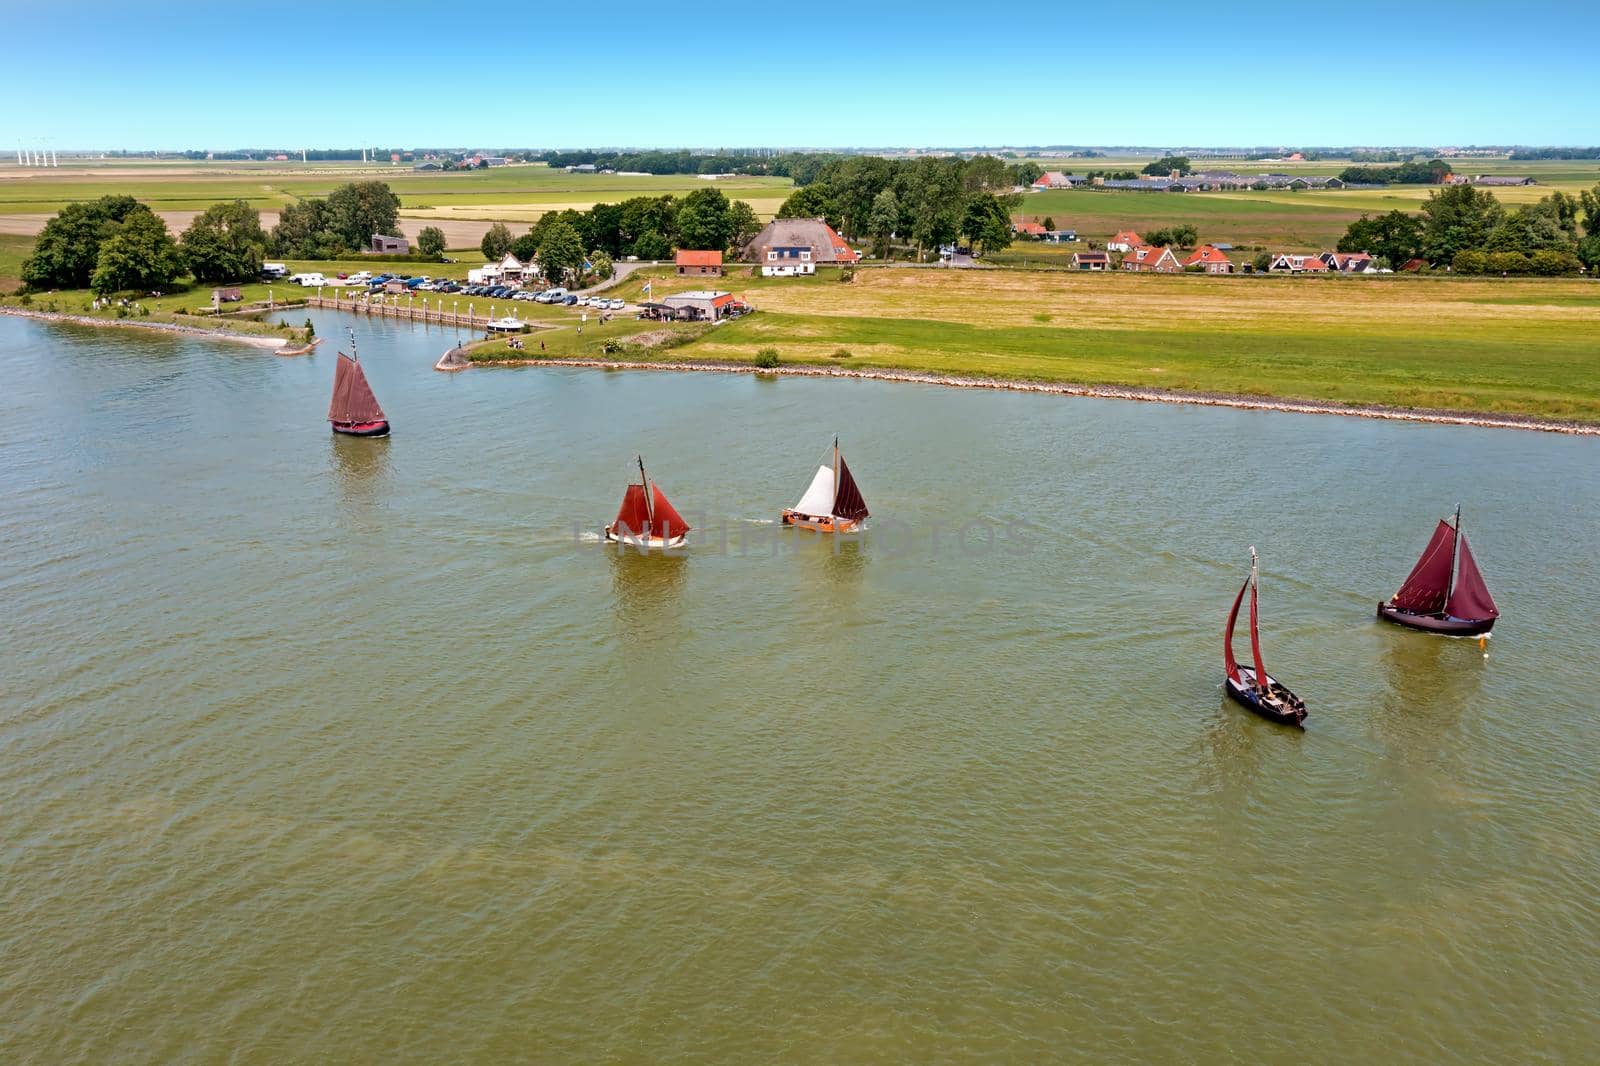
(710, 73)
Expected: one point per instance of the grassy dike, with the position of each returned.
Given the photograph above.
(1521, 348)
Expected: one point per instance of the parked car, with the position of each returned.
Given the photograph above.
(569, 299)
(617, 304)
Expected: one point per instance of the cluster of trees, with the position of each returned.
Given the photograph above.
(115, 244)
(1471, 231)
(923, 202)
(801, 166)
(1432, 172)
(339, 225)
(1183, 236)
(650, 227)
(1385, 156)
(1555, 153)
(1168, 163)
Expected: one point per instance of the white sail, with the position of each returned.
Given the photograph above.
(818, 499)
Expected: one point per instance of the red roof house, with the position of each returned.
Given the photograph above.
(1152, 260)
(1210, 259)
(1126, 241)
(1028, 229)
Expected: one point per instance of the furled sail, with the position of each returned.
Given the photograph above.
(1228, 659)
(1470, 598)
(848, 502)
(818, 498)
(1428, 585)
(353, 400)
(1255, 638)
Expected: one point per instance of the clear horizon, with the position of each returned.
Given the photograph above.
(896, 76)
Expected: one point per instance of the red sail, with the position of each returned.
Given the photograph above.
(1228, 660)
(352, 396)
(633, 517)
(1255, 641)
(847, 501)
(1471, 599)
(1428, 583)
(669, 523)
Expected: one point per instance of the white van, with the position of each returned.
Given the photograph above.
(274, 270)
(310, 281)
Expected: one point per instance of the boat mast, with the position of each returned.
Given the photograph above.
(649, 504)
(353, 357)
(835, 507)
(1455, 550)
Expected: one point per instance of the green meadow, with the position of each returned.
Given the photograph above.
(1521, 347)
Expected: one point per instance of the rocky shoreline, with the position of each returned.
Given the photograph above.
(1107, 392)
(258, 341)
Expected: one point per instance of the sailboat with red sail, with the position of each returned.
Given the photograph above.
(354, 410)
(647, 518)
(1445, 592)
(1251, 686)
(832, 503)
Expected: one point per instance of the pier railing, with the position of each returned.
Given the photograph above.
(435, 311)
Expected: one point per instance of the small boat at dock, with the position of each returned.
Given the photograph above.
(1445, 592)
(647, 518)
(832, 503)
(354, 410)
(1251, 686)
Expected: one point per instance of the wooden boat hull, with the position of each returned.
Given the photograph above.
(644, 543)
(1433, 623)
(1280, 705)
(826, 524)
(362, 429)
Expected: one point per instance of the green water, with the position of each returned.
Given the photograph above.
(365, 751)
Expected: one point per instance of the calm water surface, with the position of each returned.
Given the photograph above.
(315, 748)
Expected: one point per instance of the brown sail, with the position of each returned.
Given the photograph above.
(847, 501)
(1428, 585)
(353, 401)
(1470, 597)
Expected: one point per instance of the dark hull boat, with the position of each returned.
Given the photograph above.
(1445, 592)
(1251, 686)
(832, 503)
(354, 410)
(647, 518)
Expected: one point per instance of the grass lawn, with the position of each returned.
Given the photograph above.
(1512, 347)
(13, 250)
(512, 192)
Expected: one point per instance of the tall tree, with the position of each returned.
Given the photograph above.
(703, 220)
(1168, 163)
(560, 252)
(496, 242)
(1456, 218)
(305, 231)
(742, 224)
(883, 220)
(68, 248)
(225, 242)
(1395, 236)
(986, 223)
(812, 201)
(430, 241)
(360, 209)
(142, 255)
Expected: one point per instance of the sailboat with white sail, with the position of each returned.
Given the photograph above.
(832, 503)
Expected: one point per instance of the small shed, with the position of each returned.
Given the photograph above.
(226, 296)
(383, 244)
